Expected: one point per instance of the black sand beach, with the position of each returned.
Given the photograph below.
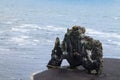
(111, 71)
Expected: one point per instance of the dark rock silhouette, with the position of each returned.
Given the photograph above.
(78, 49)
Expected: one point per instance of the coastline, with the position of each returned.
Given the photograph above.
(110, 72)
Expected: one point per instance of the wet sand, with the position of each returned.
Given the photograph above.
(111, 71)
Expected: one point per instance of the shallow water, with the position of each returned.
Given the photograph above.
(28, 30)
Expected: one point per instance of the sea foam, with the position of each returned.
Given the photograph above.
(109, 38)
(106, 37)
(103, 34)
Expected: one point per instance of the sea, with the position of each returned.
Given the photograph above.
(28, 29)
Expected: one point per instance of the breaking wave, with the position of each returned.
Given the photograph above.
(103, 34)
(29, 27)
(53, 28)
(108, 38)
(26, 40)
(32, 34)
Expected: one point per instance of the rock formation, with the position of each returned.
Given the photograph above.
(79, 50)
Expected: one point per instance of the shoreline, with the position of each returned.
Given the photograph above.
(110, 72)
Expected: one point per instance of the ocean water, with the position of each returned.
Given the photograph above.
(28, 29)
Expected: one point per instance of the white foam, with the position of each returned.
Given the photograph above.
(24, 37)
(28, 26)
(24, 28)
(8, 22)
(20, 39)
(52, 28)
(116, 18)
(111, 38)
(27, 40)
(35, 40)
(19, 30)
(102, 34)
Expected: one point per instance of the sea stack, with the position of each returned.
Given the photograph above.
(85, 57)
